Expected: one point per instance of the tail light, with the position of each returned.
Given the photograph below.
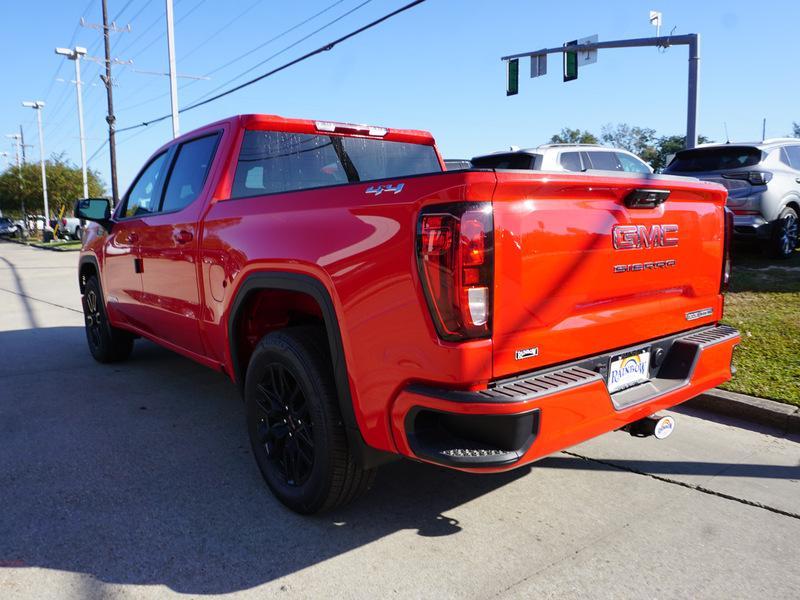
(726, 259)
(455, 244)
(754, 177)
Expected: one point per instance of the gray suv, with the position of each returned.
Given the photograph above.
(763, 183)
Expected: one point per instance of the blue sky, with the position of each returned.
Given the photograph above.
(435, 67)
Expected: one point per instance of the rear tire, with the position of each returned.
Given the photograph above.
(295, 426)
(106, 343)
(784, 234)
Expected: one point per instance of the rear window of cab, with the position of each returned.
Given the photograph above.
(271, 162)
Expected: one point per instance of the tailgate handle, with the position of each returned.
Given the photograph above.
(646, 198)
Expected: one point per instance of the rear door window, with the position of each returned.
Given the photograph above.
(273, 161)
(189, 172)
(714, 159)
(571, 161)
(604, 161)
(793, 152)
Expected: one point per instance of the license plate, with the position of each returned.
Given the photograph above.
(627, 370)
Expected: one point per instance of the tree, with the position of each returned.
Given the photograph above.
(64, 186)
(796, 129)
(667, 146)
(639, 140)
(574, 136)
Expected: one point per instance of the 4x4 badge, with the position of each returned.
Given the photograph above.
(379, 189)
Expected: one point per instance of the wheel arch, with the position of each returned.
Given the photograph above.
(793, 202)
(88, 266)
(313, 287)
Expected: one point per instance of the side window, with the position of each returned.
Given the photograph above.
(794, 156)
(275, 161)
(604, 161)
(784, 156)
(142, 199)
(571, 161)
(631, 164)
(189, 172)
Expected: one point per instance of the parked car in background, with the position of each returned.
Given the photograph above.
(763, 183)
(565, 157)
(456, 164)
(71, 228)
(7, 227)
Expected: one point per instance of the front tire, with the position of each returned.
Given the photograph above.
(295, 426)
(784, 234)
(106, 343)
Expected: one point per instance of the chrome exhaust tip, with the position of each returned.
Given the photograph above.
(661, 427)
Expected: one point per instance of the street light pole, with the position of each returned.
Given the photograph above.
(38, 105)
(75, 55)
(173, 77)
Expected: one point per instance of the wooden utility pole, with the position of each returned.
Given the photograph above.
(110, 118)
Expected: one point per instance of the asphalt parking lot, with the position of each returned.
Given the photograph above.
(136, 480)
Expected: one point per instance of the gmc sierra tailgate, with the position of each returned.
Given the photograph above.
(586, 264)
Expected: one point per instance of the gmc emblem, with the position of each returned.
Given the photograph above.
(635, 237)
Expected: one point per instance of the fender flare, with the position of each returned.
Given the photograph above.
(297, 282)
(85, 259)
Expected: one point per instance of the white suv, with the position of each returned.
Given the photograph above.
(565, 157)
(763, 183)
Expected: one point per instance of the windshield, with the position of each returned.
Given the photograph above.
(714, 159)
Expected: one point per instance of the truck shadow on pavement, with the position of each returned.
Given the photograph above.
(140, 473)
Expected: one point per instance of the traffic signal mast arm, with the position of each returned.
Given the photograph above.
(690, 39)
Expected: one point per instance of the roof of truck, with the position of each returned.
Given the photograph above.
(312, 126)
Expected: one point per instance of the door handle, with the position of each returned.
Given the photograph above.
(183, 236)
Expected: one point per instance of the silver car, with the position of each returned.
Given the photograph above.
(565, 157)
(763, 182)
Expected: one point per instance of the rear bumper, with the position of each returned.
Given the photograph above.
(516, 421)
(751, 227)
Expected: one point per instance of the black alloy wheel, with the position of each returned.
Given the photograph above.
(106, 342)
(294, 422)
(284, 425)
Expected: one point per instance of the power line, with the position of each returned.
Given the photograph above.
(280, 35)
(289, 47)
(320, 50)
(122, 10)
(241, 56)
(159, 19)
(71, 42)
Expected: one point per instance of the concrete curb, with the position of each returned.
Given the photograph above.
(785, 417)
(41, 246)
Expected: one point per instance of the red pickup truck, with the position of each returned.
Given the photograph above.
(370, 304)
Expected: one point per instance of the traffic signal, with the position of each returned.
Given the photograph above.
(570, 62)
(512, 79)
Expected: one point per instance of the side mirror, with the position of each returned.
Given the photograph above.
(94, 209)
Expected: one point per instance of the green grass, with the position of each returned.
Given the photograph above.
(59, 245)
(764, 305)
